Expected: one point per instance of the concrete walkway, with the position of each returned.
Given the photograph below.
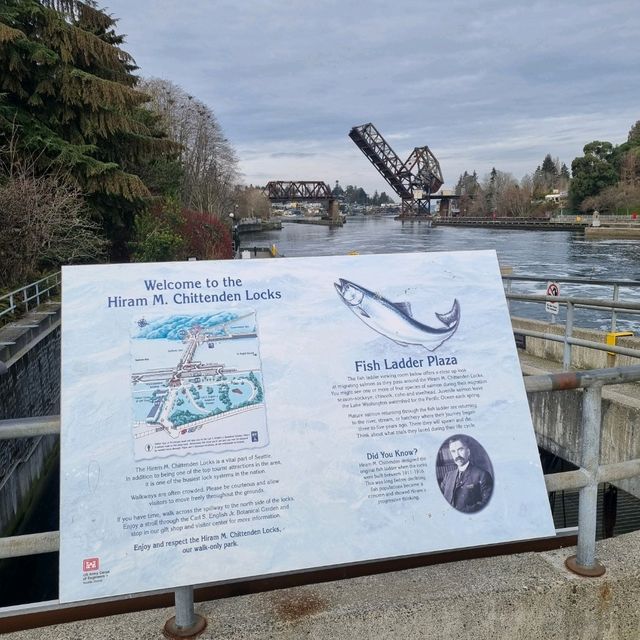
(520, 597)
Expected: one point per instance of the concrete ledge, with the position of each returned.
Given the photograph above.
(19, 337)
(620, 231)
(581, 357)
(519, 597)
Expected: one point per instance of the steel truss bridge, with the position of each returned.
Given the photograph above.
(304, 190)
(415, 180)
(290, 191)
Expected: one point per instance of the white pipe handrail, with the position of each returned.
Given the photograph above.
(20, 300)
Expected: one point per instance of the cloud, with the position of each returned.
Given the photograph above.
(485, 84)
(299, 154)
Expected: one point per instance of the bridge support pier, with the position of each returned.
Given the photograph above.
(334, 211)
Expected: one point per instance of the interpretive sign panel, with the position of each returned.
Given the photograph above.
(238, 418)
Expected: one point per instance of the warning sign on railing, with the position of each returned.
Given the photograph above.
(553, 289)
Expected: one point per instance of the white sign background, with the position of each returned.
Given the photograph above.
(350, 469)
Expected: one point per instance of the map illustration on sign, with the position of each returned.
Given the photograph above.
(196, 383)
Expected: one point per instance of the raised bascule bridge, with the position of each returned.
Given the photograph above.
(416, 180)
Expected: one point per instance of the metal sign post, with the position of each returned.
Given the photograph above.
(186, 623)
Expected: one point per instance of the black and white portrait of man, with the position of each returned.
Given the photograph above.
(465, 474)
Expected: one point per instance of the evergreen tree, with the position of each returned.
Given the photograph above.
(468, 189)
(361, 196)
(549, 167)
(467, 184)
(548, 177)
(592, 172)
(69, 92)
(459, 190)
(626, 157)
(491, 193)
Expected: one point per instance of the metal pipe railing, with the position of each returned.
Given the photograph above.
(581, 379)
(571, 280)
(585, 560)
(585, 479)
(614, 305)
(29, 427)
(579, 342)
(29, 544)
(591, 473)
(20, 300)
(584, 303)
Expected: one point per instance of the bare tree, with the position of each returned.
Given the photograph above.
(45, 223)
(515, 201)
(490, 199)
(253, 203)
(619, 198)
(209, 161)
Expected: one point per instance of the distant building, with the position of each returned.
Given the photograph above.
(556, 197)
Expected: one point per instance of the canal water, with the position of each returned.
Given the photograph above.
(537, 253)
(560, 253)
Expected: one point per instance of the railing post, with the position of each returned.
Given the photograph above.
(568, 332)
(186, 623)
(584, 563)
(616, 293)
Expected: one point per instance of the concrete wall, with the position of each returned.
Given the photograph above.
(29, 387)
(557, 415)
(18, 484)
(556, 419)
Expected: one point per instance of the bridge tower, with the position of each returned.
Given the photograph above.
(415, 180)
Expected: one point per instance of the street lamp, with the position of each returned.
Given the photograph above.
(235, 234)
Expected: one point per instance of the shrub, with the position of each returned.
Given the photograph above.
(45, 223)
(165, 234)
(206, 237)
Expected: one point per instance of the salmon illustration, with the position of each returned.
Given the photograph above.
(394, 320)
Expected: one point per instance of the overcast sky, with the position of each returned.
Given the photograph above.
(482, 83)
